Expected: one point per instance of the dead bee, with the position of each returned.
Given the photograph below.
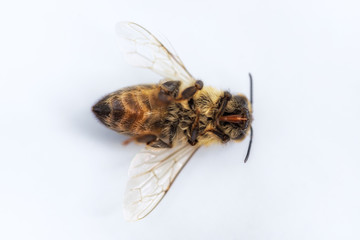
(174, 118)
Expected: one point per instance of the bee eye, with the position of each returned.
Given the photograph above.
(243, 102)
(240, 136)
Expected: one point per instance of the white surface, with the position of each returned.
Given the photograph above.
(62, 174)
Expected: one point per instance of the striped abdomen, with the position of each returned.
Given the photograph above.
(133, 111)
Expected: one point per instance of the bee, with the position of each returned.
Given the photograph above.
(173, 118)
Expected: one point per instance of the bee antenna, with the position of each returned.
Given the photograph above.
(251, 129)
(249, 147)
(251, 88)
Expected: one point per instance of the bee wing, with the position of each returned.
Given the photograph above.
(151, 173)
(143, 49)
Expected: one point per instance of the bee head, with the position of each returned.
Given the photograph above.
(237, 118)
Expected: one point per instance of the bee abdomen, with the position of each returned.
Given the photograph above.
(133, 111)
(118, 109)
(125, 112)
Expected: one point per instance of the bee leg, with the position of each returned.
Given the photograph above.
(190, 91)
(172, 132)
(158, 143)
(141, 139)
(170, 86)
(194, 131)
(193, 137)
(169, 91)
(223, 103)
(191, 104)
(224, 138)
(150, 140)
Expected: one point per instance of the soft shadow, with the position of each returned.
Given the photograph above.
(85, 122)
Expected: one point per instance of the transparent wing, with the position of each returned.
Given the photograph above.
(143, 49)
(151, 173)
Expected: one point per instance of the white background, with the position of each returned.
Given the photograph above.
(62, 174)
